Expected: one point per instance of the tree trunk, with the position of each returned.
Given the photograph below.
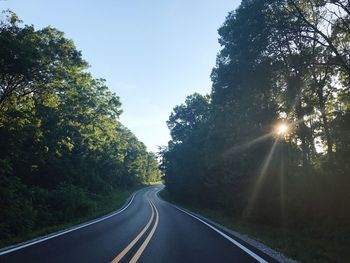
(322, 105)
(302, 131)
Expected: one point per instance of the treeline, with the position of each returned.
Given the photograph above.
(62, 148)
(282, 62)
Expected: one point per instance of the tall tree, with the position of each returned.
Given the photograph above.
(33, 61)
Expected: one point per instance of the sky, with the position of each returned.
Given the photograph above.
(152, 53)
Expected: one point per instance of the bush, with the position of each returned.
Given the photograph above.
(17, 215)
(68, 202)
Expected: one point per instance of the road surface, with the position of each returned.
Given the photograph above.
(146, 229)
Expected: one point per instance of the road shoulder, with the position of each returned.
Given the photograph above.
(243, 239)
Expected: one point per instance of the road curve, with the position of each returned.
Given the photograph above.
(147, 229)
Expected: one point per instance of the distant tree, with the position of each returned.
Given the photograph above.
(152, 171)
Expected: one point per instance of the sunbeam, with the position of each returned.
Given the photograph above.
(280, 130)
(282, 193)
(260, 179)
(246, 145)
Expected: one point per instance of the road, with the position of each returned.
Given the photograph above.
(146, 229)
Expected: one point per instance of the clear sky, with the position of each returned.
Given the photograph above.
(153, 53)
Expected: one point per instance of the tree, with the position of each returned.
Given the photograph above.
(280, 62)
(330, 28)
(62, 147)
(181, 160)
(33, 61)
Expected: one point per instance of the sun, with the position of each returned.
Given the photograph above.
(282, 129)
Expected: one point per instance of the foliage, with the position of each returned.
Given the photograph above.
(280, 62)
(62, 146)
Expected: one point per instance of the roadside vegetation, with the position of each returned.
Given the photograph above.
(105, 204)
(64, 155)
(269, 147)
(301, 245)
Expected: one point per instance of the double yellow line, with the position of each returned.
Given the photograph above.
(138, 253)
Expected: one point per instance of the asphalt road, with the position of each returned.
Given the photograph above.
(146, 229)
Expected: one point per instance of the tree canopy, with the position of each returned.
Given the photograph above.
(62, 145)
(281, 63)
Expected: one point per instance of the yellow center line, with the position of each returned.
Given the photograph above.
(145, 243)
(132, 243)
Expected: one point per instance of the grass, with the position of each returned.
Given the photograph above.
(106, 205)
(303, 245)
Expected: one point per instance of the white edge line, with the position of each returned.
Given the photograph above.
(67, 231)
(248, 251)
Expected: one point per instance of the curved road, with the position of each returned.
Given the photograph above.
(146, 229)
